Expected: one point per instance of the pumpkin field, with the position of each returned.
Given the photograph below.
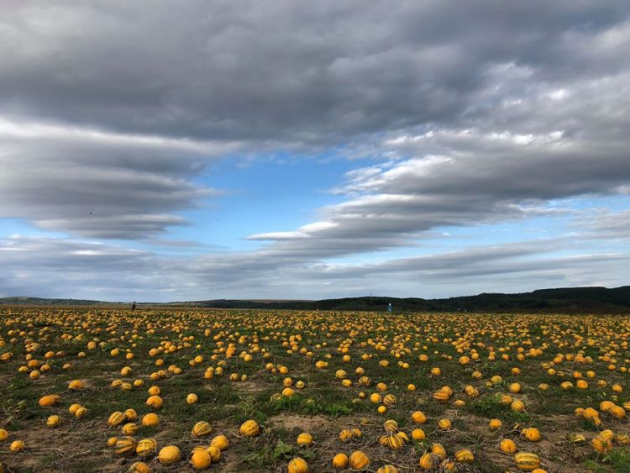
(170, 389)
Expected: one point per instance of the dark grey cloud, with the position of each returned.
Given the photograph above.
(96, 184)
(287, 71)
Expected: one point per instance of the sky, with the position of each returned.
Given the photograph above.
(170, 151)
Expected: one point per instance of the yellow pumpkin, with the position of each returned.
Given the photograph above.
(305, 440)
(418, 435)
(345, 435)
(169, 455)
(3, 435)
(146, 447)
(495, 424)
(192, 398)
(390, 426)
(125, 446)
(155, 402)
(532, 434)
(139, 467)
(53, 421)
(215, 453)
(201, 429)
(526, 461)
(439, 450)
(340, 461)
(464, 456)
(49, 400)
(200, 460)
(297, 465)
(115, 418)
(76, 385)
(387, 469)
(601, 444)
(221, 442)
(130, 428)
(150, 420)
(17, 446)
(444, 424)
(249, 428)
(429, 461)
(508, 446)
(418, 417)
(359, 460)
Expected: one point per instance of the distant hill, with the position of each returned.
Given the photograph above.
(598, 300)
(580, 299)
(44, 301)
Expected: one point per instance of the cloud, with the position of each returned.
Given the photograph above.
(465, 114)
(99, 184)
(31, 266)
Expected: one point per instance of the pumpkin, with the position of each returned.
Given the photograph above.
(221, 442)
(49, 400)
(345, 435)
(146, 447)
(130, 428)
(139, 467)
(508, 446)
(169, 455)
(576, 438)
(495, 424)
(526, 461)
(115, 418)
(155, 402)
(389, 400)
(111, 442)
(429, 461)
(192, 398)
(441, 396)
(390, 426)
(305, 440)
(418, 417)
(53, 421)
(464, 456)
(250, 428)
(439, 450)
(394, 442)
(340, 461)
(387, 469)
(517, 406)
(200, 460)
(74, 408)
(76, 385)
(17, 446)
(201, 429)
(418, 435)
(80, 412)
(607, 434)
(150, 420)
(297, 465)
(215, 453)
(532, 434)
(125, 446)
(3, 435)
(515, 388)
(601, 444)
(444, 424)
(359, 460)
(131, 415)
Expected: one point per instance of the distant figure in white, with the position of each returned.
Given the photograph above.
(389, 308)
